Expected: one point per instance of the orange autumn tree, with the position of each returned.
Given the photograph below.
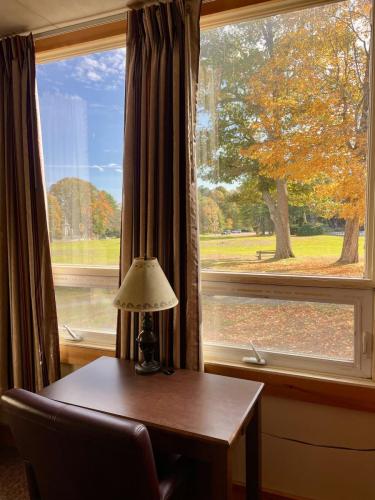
(54, 217)
(311, 96)
(78, 209)
(102, 209)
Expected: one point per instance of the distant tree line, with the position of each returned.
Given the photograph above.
(221, 210)
(79, 210)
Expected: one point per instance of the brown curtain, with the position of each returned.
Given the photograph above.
(160, 202)
(29, 347)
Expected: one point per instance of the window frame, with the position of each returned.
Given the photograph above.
(87, 41)
(108, 276)
(361, 300)
(364, 365)
(76, 276)
(241, 284)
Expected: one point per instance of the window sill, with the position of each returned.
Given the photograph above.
(82, 353)
(253, 278)
(356, 394)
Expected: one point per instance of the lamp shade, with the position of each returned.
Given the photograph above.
(145, 288)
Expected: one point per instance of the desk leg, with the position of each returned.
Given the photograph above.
(253, 456)
(221, 474)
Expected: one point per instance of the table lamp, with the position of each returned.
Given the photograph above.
(146, 289)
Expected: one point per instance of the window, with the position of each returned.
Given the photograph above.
(284, 165)
(81, 108)
(321, 329)
(286, 237)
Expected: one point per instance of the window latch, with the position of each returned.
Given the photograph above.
(256, 359)
(366, 343)
(73, 336)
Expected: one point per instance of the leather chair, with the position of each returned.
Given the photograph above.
(73, 453)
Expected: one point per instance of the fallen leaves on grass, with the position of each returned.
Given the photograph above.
(312, 266)
(320, 329)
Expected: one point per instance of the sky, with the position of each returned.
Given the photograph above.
(82, 118)
(81, 102)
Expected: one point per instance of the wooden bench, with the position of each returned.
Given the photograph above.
(259, 253)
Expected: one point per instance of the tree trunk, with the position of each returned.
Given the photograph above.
(279, 213)
(349, 252)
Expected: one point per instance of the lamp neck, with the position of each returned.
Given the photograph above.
(147, 322)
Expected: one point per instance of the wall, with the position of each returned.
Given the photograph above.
(311, 472)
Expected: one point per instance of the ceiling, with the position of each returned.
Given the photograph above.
(22, 16)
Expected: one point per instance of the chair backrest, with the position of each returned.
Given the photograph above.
(73, 453)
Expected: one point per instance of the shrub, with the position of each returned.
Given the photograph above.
(309, 230)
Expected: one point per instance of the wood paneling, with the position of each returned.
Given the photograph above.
(222, 5)
(82, 36)
(325, 391)
(79, 355)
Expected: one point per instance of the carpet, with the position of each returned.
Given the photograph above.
(12, 476)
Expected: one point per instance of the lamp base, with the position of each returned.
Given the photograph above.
(147, 367)
(147, 342)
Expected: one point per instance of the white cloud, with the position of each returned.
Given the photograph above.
(110, 166)
(106, 68)
(93, 76)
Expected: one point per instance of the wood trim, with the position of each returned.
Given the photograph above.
(356, 395)
(119, 28)
(82, 36)
(81, 355)
(217, 6)
(112, 32)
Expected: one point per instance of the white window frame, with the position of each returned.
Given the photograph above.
(335, 290)
(362, 300)
(75, 276)
(357, 291)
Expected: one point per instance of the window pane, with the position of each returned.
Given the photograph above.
(309, 328)
(81, 108)
(86, 308)
(282, 142)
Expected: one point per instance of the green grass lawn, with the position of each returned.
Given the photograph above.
(303, 246)
(87, 252)
(314, 254)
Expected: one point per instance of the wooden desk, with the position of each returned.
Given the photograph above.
(196, 414)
